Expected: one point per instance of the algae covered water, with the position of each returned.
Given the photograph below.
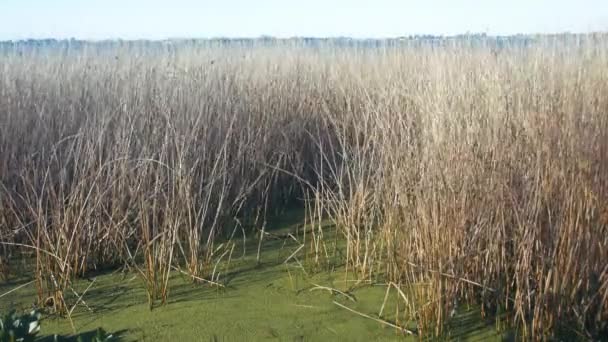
(266, 300)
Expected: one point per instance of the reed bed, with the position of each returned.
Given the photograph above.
(468, 174)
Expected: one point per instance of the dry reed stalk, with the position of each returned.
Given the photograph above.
(463, 159)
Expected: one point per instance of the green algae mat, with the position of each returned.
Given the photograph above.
(266, 300)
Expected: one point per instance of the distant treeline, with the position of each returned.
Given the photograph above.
(478, 39)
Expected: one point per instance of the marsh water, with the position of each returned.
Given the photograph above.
(269, 299)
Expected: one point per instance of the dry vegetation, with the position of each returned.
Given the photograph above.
(464, 175)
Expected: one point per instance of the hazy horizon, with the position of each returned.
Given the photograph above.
(154, 19)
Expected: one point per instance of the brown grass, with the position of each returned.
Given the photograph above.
(477, 173)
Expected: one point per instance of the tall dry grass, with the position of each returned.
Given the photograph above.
(468, 174)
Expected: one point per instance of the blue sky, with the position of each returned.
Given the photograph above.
(131, 19)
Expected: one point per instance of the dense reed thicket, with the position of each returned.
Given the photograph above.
(464, 173)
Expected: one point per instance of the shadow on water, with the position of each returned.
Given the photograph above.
(189, 292)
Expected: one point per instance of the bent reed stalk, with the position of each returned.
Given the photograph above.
(471, 173)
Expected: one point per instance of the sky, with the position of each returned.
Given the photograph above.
(155, 19)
